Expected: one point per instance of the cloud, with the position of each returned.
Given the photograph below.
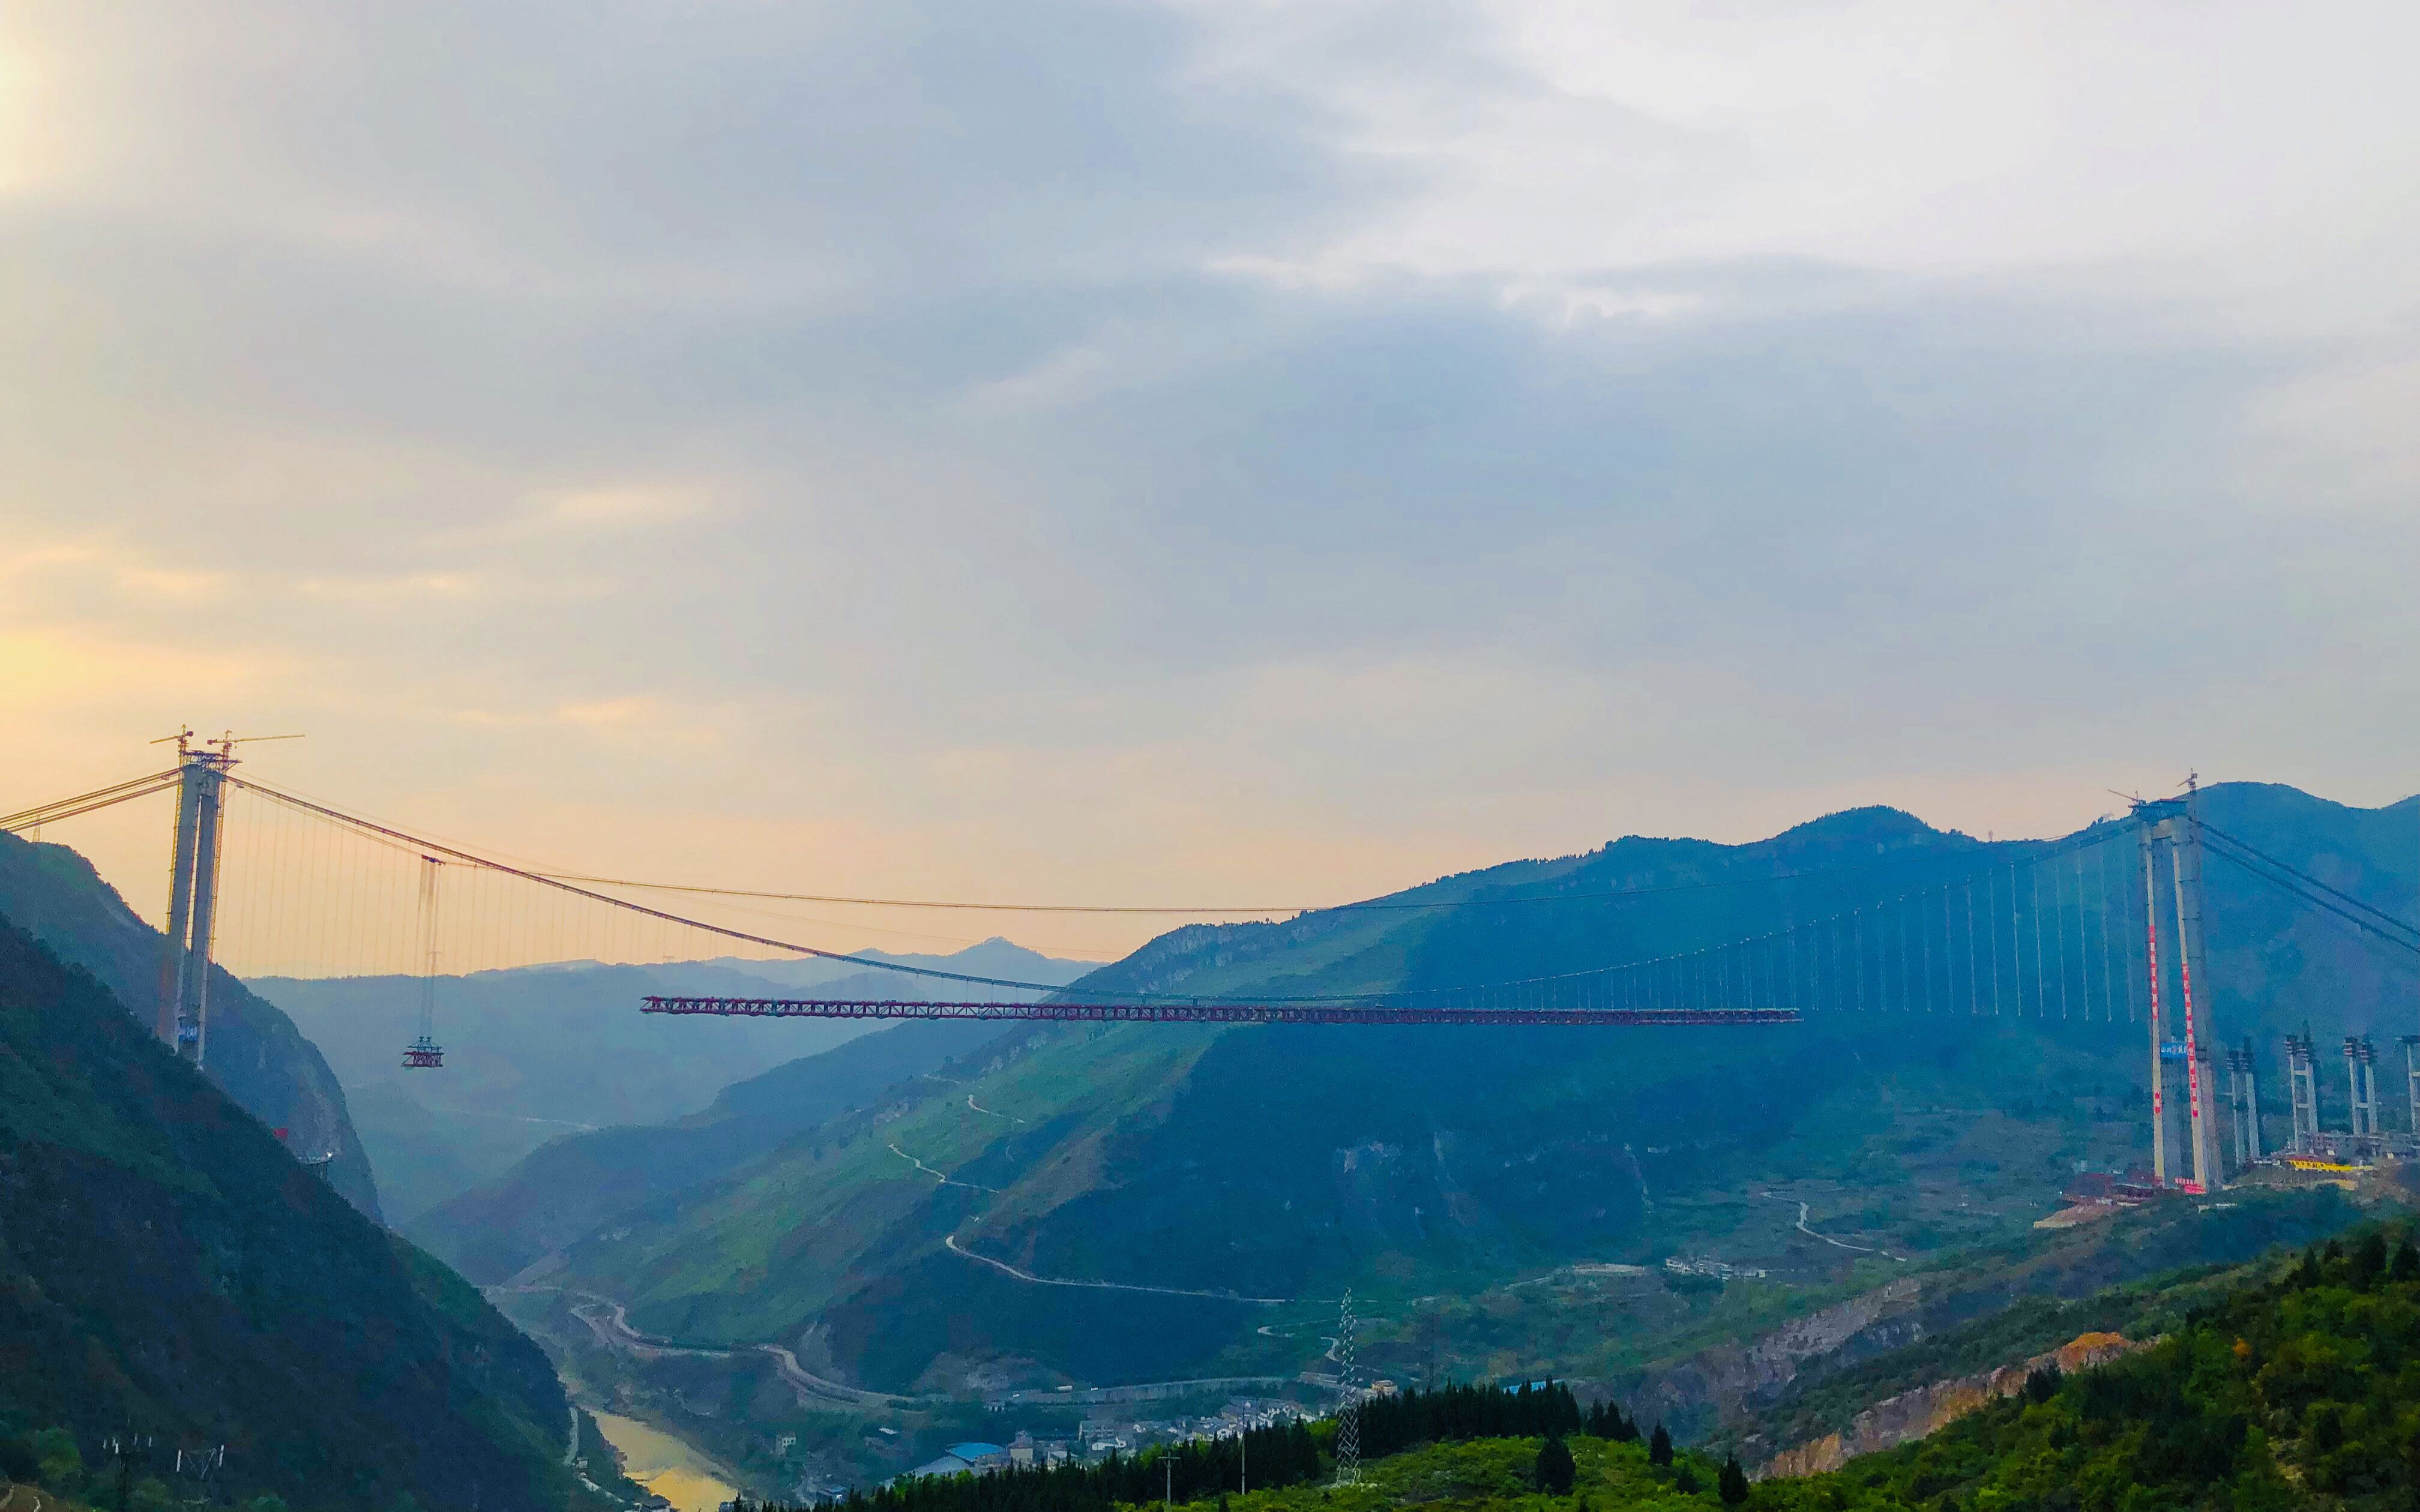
(1039, 445)
(418, 587)
(605, 713)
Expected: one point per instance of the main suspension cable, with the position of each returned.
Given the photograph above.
(84, 803)
(1388, 905)
(2266, 860)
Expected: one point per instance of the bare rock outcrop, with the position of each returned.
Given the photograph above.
(1913, 1415)
(1721, 1380)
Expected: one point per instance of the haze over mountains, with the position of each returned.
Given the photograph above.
(540, 1052)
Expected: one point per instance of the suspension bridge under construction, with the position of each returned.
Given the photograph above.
(2103, 925)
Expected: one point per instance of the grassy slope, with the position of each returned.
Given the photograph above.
(166, 1266)
(576, 1184)
(787, 1233)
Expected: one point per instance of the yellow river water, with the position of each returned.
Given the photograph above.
(665, 1465)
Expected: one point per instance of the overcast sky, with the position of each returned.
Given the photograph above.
(1203, 453)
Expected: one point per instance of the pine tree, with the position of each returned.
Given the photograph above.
(2042, 1385)
(1604, 1421)
(1555, 1468)
(2369, 1259)
(2407, 1262)
(1733, 1482)
(2306, 1275)
(1659, 1446)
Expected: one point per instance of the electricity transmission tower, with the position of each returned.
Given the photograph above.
(1348, 1407)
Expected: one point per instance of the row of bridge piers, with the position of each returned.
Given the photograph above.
(2363, 1133)
(2196, 1154)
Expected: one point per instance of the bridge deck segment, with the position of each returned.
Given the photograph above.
(784, 1007)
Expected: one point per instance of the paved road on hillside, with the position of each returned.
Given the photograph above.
(615, 1332)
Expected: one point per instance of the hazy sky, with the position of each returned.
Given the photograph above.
(1252, 452)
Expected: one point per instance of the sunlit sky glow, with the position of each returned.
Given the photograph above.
(1187, 452)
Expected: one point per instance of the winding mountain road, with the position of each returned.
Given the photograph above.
(615, 1332)
(1836, 1243)
(941, 1176)
(951, 1243)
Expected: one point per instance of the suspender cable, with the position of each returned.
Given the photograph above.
(1973, 994)
(2033, 892)
(2058, 936)
(2100, 922)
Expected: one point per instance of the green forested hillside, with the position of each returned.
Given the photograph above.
(168, 1270)
(257, 1054)
(1222, 1183)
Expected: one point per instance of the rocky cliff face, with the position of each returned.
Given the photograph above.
(1721, 1380)
(1915, 1413)
(257, 1054)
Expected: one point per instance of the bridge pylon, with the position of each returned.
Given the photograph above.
(184, 1006)
(193, 893)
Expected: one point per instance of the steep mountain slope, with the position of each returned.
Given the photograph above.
(920, 1246)
(567, 1188)
(169, 1269)
(257, 1054)
(541, 1052)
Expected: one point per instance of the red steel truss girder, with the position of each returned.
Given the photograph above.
(816, 1007)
